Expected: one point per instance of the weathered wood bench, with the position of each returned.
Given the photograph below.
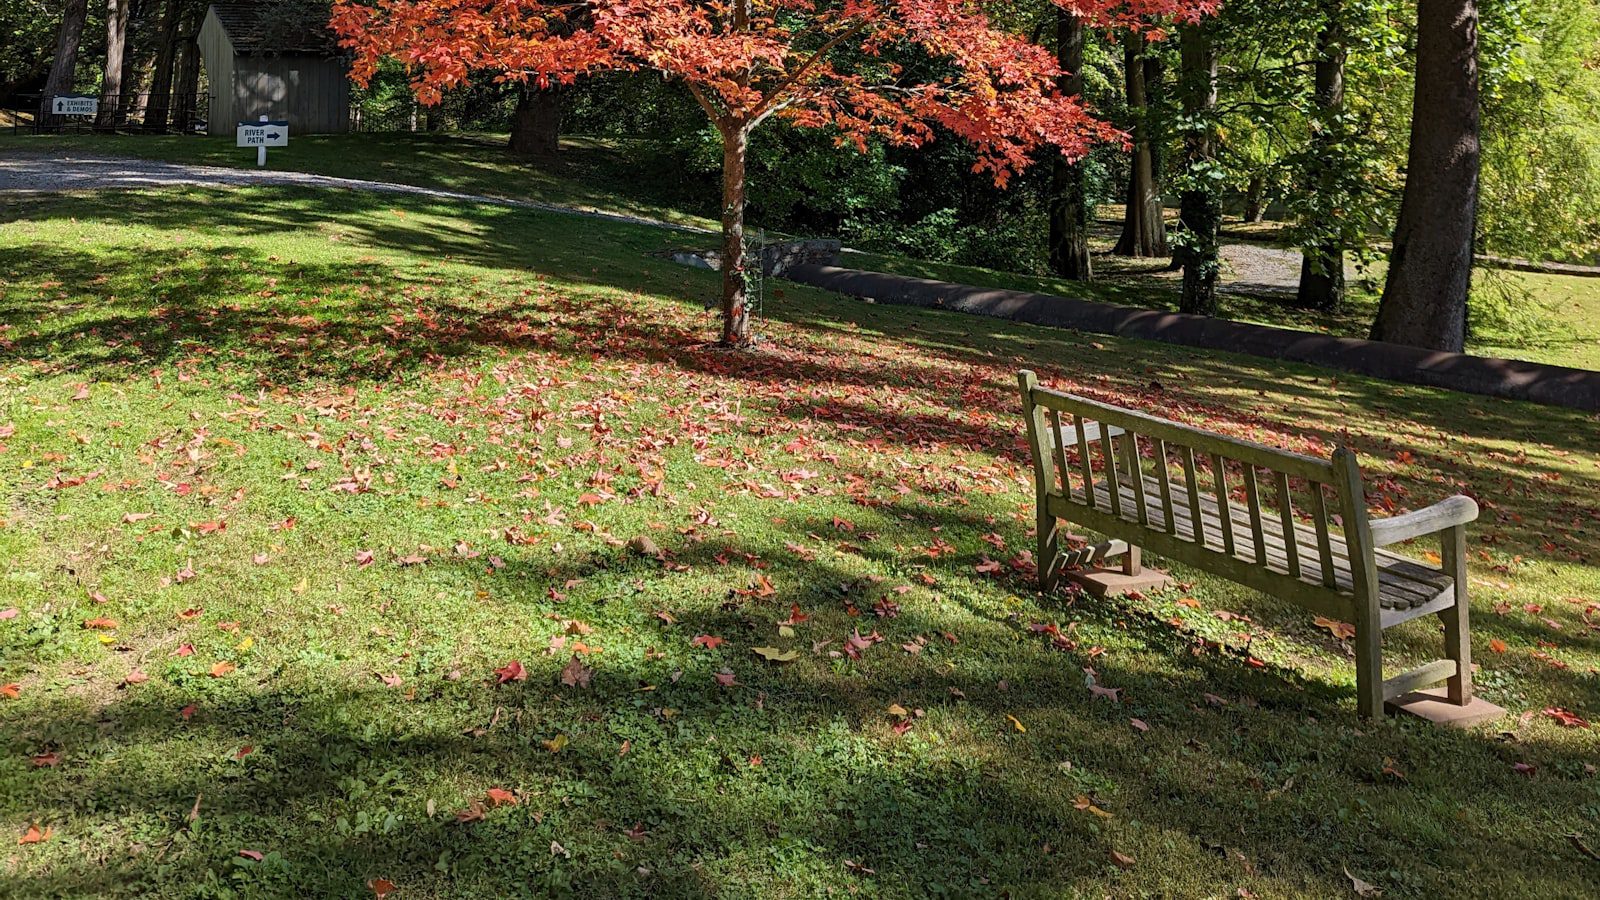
(1145, 481)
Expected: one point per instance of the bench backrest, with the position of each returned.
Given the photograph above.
(1080, 447)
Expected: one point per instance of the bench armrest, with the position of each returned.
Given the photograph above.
(1447, 513)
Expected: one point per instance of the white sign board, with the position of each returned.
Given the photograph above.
(263, 134)
(74, 105)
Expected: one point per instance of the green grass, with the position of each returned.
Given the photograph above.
(1560, 325)
(493, 403)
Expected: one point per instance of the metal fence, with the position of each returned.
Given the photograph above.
(141, 112)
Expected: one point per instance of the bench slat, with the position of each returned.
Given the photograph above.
(1060, 453)
(1286, 519)
(1219, 478)
(1252, 495)
(1108, 458)
(1319, 517)
(1191, 480)
(1164, 482)
(1133, 469)
(1082, 437)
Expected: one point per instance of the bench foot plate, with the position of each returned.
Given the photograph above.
(1113, 582)
(1433, 705)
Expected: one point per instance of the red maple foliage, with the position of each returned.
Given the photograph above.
(837, 64)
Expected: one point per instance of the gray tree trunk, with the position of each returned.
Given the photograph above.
(1143, 231)
(736, 330)
(111, 98)
(1200, 207)
(1322, 267)
(160, 104)
(536, 124)
(1069, 201)
(1430, 268)
(64, 69)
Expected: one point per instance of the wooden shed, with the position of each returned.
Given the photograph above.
(260, 64)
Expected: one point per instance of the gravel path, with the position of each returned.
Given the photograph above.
(36, 173)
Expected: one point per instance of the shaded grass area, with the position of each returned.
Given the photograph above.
(326, 462)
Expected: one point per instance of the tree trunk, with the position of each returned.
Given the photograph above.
(1200, 207)
(735, 310)
(160, 104)
(111, 98)
(1069, 201)
(1322, 266)
(1143, 231)
(1430, 268)
(536, 124)
(62, 71)
(187, 90)
(1255, 207)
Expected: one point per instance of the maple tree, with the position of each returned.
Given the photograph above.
(817, 63)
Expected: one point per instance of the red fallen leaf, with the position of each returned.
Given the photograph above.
(222, 668)
(136, 677)
(381, 887)
(500, 797)
(795, 615)
(1565, 717)
(591, 499)
(285, 525)
(473, 813)
(192, 612)
(211, 527)
(724, 678)
(10, 690)
(184, 574)
(184, 650)
(363, 557)
(511, 671)
(244, 751)
(188, 712)
(575, 673)
(34, 836)
(707, 641)
(987, 566)
(100, 622)
(1497, 645)
(256, 855)
(10, 612)
(46, 760)
(901, 726)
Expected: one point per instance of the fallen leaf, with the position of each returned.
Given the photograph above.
(1123, 860)
(1362, 888)
(707, 641)
(1566, 718)
(381, 887)
(1497, 645)
(555, 744)
(575, 673)
(1017, 723)
(500, 797)
(101, 623)
(222, 668)
(774, 655)
(34, 836)
(256, 855)
(511, 671)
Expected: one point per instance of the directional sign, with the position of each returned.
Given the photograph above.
(74, 105)
(263, 134)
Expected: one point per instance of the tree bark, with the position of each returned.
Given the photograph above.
(1200, 207)
(1143, 231)
(63, 70)
(1322, 267)
(1430, 268)
(735, 296)
(111, 98)
(160, 105)
(1255, 207)
(536, 124)
(1069, 201)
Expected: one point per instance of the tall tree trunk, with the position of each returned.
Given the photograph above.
(1322, 266)
(1069, 201)
(735, 309)
(1143, 231)
(536, 124)
(1200, 207)
(160, 104)
(111, 98)
(62, 71)
(1255, 190)
(1430, 268)
(187, 90)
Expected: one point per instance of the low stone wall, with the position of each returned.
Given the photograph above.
(776, 259)
(1514, 379)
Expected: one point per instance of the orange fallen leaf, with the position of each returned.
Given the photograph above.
(381, 887)
(100, 622)
(1497, 645)
(34, 836)
(222, 668)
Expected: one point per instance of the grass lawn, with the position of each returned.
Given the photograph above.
(291, 480)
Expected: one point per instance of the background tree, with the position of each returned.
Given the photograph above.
(64, 67)
(1071, 212)
(111, 95)
(1200, 200)
(1424, 300)
(1144, 230)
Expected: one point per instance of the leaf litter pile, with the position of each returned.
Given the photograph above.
(415, 550)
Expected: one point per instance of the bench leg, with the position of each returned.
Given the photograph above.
(1457, 634)
(1131, 562)
(1049, 550)
(1369, 670)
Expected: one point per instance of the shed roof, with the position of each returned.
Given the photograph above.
(276, 27)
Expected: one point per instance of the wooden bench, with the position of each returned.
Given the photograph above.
(1145, 481)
